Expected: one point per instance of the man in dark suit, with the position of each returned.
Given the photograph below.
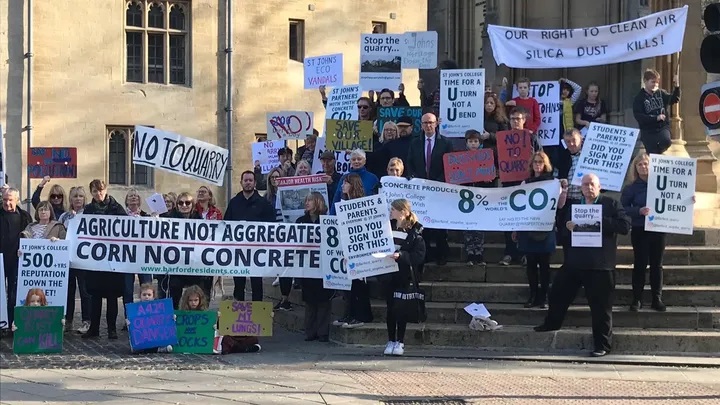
(592, 268)
(425, 161)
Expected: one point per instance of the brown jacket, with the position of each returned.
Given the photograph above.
(54, 230)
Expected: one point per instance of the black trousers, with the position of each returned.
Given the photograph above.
(255, 283)
(286, 284)
(357, 303)
(10, 262)
(317, 319)
(440, 237)
(600, 292)
(110, 314)
(648, 248)
(656, 142)
(538, 271)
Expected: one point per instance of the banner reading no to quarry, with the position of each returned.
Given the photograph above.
(646, 37)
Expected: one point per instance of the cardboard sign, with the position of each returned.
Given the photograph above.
(470, 166)
(588, 225)
(324, 70)
(420, 50)
(342, 103)
(151, 324)
(514, 153)
(180, 155)
(39, 330)
(58, 163)
(547, 95)
(670, 191)
(195, 331)
(44, 264)
(289, 124)
(246, 318)
(349, 135)
(394, 114)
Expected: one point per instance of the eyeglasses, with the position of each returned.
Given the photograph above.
(516, 118)
(53, 196)
(184, 203)
(363, 107)
(428, 122)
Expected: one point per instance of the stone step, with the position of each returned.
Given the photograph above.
(523, 338)
(700, 237)
(446, 291)
(690, 318)
(495, 273)
(674, 255)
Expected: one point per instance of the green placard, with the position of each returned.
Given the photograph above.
(349, 135)
(39, 330)
(195, 331)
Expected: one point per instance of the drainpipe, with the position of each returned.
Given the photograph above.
(228, 100)
(28, 101)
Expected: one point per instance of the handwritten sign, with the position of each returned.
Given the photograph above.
(289, 125)
(349, 135)
(39, 330)
(151, 324)
(420, 50)
(324, 70)
(195, 331)
(469, 166)
(514, 153)
(58, 163)
(342, 102)
(394, 114)
(547, 95)
(246, 318)
(266, 153)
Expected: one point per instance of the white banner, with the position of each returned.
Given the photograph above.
(366, 236)
(289, 125)
(381, 61)
(462, 101)
(606, 152)
(148, 245)
(528, 207)
(3, 296)
(342, 159)
(342, 103)
(324, 70)
(266, 154)
(420, 50)
(646, 37)
(670, 192)
(547, 95)
(180, 155)
(292, 191)
(332, 259)
(587, 231)
(44, 264)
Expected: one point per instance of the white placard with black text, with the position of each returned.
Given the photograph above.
(587, 230)
(606, 152)
(547, 95)
(670, 192)
(462, 101)
(342, 103)
(381, 61)
(332, 259)
(44, 264)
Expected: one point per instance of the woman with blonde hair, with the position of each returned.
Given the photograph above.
(206, 204)
(389, 132)
(76, 279)
(409, 255)
(56, 198)
(395, 167)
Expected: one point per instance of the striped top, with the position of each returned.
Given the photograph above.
(38, 231)
(398, 238)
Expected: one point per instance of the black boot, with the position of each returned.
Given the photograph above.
(531, 300)
(657, 304)
(635, 305)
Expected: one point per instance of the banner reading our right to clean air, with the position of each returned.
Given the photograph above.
(528, 207)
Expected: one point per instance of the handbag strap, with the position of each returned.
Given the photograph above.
(406, 244)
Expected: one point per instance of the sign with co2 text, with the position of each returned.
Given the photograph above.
(332, 258)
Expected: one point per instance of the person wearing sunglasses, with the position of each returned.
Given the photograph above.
(365, 110)
(56, 197)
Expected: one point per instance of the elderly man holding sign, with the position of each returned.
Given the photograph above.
(591, 267)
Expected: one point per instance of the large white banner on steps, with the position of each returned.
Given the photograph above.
(528, 207)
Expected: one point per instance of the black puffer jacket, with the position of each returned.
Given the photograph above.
(106, 284)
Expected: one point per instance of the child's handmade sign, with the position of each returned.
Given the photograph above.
(246, 318)
(195, 331)
(39, 330)
(151, 324)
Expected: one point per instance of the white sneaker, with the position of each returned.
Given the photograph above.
(166, 349)
(276, 282)
(389, 348)
(84, 327)
(399, 349)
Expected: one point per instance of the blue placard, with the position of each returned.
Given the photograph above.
(395, 113)
(151, 324)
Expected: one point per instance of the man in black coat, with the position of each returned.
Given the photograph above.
(425, 161)
(591, 267)
(249, 205)
(13, 220)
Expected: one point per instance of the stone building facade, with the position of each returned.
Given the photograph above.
(101, 67)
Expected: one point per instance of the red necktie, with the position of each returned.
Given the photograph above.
(428, 155)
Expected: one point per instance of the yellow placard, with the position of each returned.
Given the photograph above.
(349, 135)
(246, 318)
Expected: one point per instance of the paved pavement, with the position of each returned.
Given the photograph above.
(291, 371)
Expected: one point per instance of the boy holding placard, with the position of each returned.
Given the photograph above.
(530, 104)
